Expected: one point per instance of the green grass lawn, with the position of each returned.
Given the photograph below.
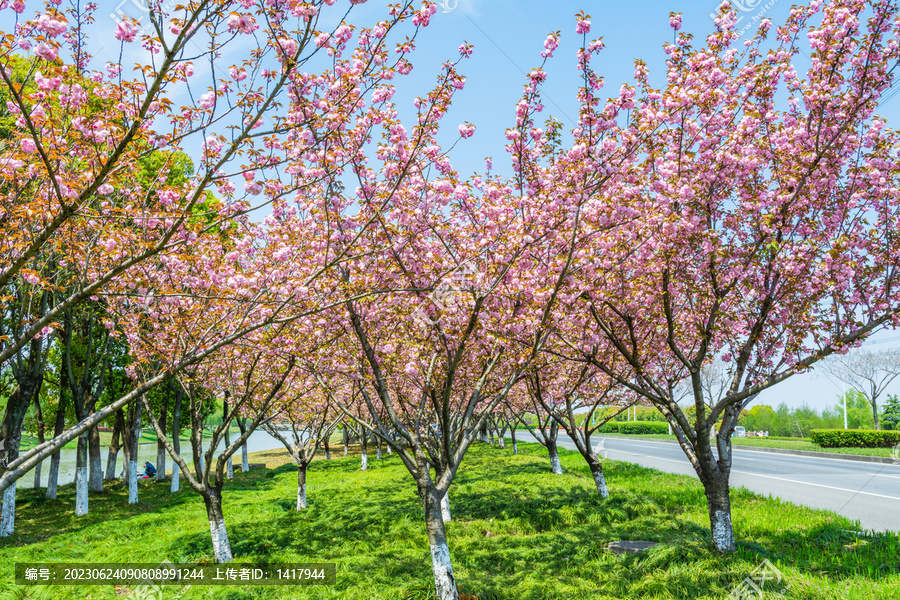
(782, 443)
(518, 532)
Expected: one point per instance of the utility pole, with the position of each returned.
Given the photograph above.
(844, 392)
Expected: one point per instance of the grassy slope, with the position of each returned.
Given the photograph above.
(518, 533)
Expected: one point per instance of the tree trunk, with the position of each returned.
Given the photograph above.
(39, 417)
(346, 440)
(81, 476)
(501, 443)
(491, 434)
(364, 457)
(555, 466)
(134, 425)
(444, 581)
(11, 433)
(229, 467)
(58, 427)
(221, 546)
(718, 500)
(245, 465)
(95, 480)
(445, 508)
(160, 446)
(875, 414)
(378, 451)
(512, 433)
(176, 437)
(597, 471)
(301, 486)
(327, 447)
(132, 482)
(114, 445)
(8, 511)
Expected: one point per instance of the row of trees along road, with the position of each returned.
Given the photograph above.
(742, 216)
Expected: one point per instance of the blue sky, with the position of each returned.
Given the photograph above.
(508, 37)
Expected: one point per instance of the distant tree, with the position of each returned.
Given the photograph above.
(859, 415)
(761, 418)
(890, 414)
(869, 372)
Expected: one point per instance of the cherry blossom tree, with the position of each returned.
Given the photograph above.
(766, 236)
(313, 418)
(73, 179)
(568, 394)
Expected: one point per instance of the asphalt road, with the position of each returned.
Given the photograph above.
(866, 492)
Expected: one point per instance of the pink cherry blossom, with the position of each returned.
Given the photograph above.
(46, 51)
(125, 31)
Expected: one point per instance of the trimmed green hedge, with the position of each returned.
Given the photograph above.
(634, 427)
(854, 438)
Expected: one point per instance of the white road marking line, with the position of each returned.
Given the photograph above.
(770, 477)
(680, 462)
(735, 448)
(829, 487)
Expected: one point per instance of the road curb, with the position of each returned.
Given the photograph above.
(856, 457)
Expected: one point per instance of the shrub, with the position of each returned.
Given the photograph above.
(854, 438)
(634, 427)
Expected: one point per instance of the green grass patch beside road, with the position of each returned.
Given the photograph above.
(780, 443)
(518, 532)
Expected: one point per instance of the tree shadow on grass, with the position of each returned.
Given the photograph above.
(836, 552)
(39, 519)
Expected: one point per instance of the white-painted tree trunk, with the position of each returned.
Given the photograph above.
(132, 482)
(176, 476)
(500, 443)
(81, 476)
(389, 451)
(378, 452)
(515, 448)
(555, 466)
(8, 511)
(600, 480)
(221, 546)
(229, 469)
(364, 462)
(245, 465)
(445, 508)
(444, 581)
(718, 503)
(81, 491)
(722, 530)
(301, 488)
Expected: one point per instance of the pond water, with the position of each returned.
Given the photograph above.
(257, 442)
